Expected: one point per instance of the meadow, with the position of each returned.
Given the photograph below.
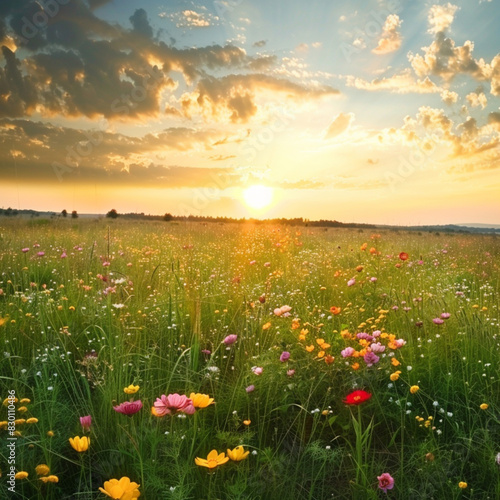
(347, 364)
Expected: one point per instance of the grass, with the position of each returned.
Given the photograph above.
(114, 303)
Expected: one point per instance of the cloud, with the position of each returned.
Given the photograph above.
(400, 83)
(449, 97)
(441, 17)
(141, 24)
(476, 99)
(339, 125)
(390, 39)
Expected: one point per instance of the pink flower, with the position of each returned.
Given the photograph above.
(86, 423)
(351, 282)
(63, 255)
(250, 388)
(385, 482)
(129, 408)
(347, 352)
(252, 262)
(40, 254)
(438, 321)
(377, 347)
(257, 370)
(230, 339)
(283, 310)
(290, 373)
(371, 358)
(267, 264)
(24, 250)
(285, 356)
(445, 315)
(172, 404)
(373, 279)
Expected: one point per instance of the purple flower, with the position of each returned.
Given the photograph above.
(371, 358)
(364, 335)
(129, 408)
(250, 388)
(438, 321)
(206, 352)
(230, 339)
(285, 356)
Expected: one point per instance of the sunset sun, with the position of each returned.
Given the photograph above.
(258, 196)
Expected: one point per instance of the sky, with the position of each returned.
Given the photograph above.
(376, 111)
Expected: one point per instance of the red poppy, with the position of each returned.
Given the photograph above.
(357, 398)
(403, 256)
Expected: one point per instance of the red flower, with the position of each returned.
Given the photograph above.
(357, 397)
(403, 256)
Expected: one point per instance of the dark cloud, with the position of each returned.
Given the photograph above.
(141, 24)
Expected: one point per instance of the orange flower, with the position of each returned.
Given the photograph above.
(329, 359)
(310, 348)
(266, 326)
(295, 324)
(355, 366)
(359, 268)
(213, 460)
(373, 250)
(395, 362)
(321, 354)
(335, 310)
(364, 246)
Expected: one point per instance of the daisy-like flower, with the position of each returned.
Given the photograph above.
(128, 407)
(131, 389)
(80, 444)
(49, 479)
(122, 489)
(238, 454)
(172, 404)
(213, 460)
(357, 397)
(200, 400)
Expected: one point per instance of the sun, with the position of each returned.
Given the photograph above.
(258, 196)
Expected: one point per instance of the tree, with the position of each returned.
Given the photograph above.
(64, 213)
(74, 214)
(168, 217)
(112, 214)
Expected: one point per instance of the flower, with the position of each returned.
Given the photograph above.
(347, 352)
(86, 423)
(128, 407)
(483, 406)
(371, 358)
(122, 489)
(351, 282)
(42, 470)
(335, 310)
(49, 479)
(290, 372)
(414, 389)
(357, 397)
(230, 339)
(173, 403)
(403, 256)
(131, 389)
(247, 422)
(385, 482)
(200, 400)
(21, 475)
(80, 443)
(462, 485)
(445, 315)
(32, 420)
(285, 356)
(395, 376)
(497, 459)
(213, 460)
(238, 454)
(438, 321)
(250, 388)
(257, 370)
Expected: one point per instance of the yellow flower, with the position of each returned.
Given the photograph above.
(32, 420)
(7, 401)
(49, 479)
(266, 326)
(462, 485)
(131, 389)
(122, 489)
(50, 434)
(394, 376)
(310, 348)
(80, 443)
(3, 424)
(22, 409)
(484, 406)
(20, 421)
(238, 454)
(21, 475)
(200, 400)
(247, 422)
(395, 362)
(42, 469)
(414, 389)
(213, 460)
(25, 401)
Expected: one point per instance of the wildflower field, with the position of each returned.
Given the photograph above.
(244, 362)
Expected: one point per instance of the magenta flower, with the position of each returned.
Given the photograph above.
(371, 358)
(438, 321)
(24, 250)
(172, 404)
(285, 356)
(40, 254)
(385, 482)
(347, 352)
(129, 408)
(86, 423)
(230, 339)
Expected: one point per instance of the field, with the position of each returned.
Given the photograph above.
(280, 326)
